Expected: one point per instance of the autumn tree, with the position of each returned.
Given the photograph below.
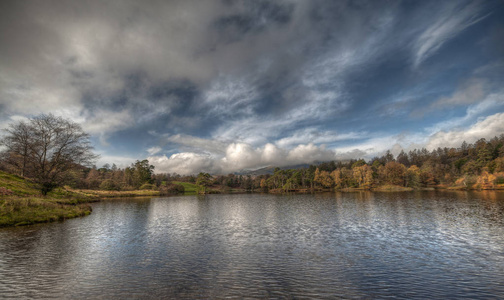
(369, 179)
(393, 173)
(363, 176)
(499, 165)
(486, 180)
(336, 176)
(323, 178)
(427, 177)
(413, 177)
(93, 178)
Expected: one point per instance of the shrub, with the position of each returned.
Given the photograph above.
(172, 189)
(109, 185)
(499, 179)
(147, 186)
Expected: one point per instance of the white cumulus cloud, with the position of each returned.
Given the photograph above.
(239, 156)
(485, 128)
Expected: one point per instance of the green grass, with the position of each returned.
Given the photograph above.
(24, 204)
(18, 185)
(188, 187)
(31, 210)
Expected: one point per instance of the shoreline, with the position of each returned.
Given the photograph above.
(69, 203)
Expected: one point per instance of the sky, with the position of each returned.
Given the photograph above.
(222, 86)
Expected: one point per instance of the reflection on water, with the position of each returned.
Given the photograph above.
(428, 244)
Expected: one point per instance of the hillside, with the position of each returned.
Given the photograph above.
(269, 170)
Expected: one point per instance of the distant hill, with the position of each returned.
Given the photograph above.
(270, 169)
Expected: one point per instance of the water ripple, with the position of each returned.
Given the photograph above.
(345, 245)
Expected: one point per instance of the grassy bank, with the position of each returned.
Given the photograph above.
(116, 194)
(26, 211)
(381, 188)
(188, 187)
(22, 204)
(191, 188)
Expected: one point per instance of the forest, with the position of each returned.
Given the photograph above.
(470, 166)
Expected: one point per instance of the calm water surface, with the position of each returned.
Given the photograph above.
(434, 245)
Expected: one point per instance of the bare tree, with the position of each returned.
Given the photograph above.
(46, 148)
(17, 146)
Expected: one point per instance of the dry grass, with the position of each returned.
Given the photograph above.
(115, 194)
(391, 188)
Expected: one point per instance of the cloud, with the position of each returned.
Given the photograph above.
(94, 55)
(103, 122)
(154, 150)
(309, 153)
(239, 156)
(184, 163)
(352, 154)
(490, 102)
(471, 91)
(453, 19)
(242, 156)
(485, 128)
(307, 145)
(316, 136)
(241, 59)
(379, 143)
(230, 97)
(120, 161)
(243, 84)
(98, 56)
(192, 143)
(13, 118)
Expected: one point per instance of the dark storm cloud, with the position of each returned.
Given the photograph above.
(262, 81)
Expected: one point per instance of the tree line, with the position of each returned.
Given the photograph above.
(479, 165)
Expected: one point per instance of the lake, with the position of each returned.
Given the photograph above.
(426, 244)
